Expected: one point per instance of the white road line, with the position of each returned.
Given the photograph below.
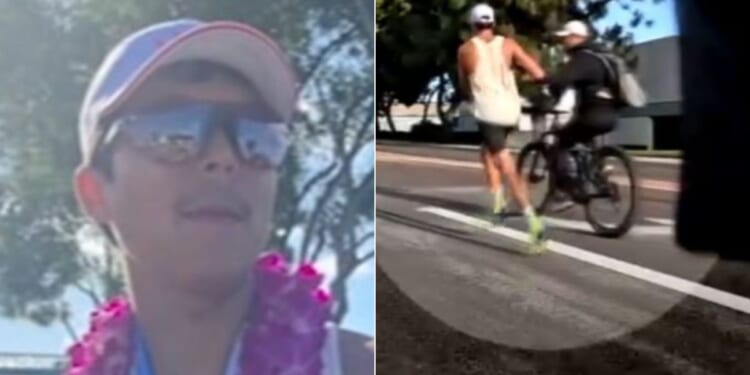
(677, 284)
(390, 157)
(660, 221)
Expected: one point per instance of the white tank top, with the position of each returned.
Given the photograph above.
(493, 85)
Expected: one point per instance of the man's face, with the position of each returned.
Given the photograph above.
(146, 201)
(481, 27)
(571, 41)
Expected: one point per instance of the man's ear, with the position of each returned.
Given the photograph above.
(89, 188)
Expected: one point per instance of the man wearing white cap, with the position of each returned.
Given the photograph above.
(488, 82)
(586, 73)
(183, 135)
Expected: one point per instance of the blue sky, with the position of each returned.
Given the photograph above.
(665, 22)
(19, 336)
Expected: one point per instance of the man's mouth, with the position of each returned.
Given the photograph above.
(214, 213)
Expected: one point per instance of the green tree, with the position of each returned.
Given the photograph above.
(51, 49)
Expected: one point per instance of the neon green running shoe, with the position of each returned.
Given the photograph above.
(537, 237)
(499, 204)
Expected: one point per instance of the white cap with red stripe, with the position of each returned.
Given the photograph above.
(234, 45)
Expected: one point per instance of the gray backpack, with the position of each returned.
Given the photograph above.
(627, 89)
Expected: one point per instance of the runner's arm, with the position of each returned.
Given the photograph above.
(525, 61)
(467, 62)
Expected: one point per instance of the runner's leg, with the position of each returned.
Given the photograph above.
(507, 166)
(491, 142)
(494, 181)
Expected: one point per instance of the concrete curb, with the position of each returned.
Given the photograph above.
(516, 146)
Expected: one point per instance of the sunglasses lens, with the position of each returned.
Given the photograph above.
(170, 137)
(260, 143)
(178, 135)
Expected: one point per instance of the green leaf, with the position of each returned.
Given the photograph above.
(457, 5)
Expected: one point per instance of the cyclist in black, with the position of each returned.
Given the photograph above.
(596, 110)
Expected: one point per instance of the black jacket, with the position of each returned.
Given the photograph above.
(586, 74)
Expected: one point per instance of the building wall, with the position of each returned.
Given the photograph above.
(659, 69)
(658, 72)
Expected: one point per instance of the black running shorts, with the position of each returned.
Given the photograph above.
(494, 137)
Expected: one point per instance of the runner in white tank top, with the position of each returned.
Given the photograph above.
(487, 81)
(493, 85)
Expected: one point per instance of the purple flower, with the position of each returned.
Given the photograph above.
(287, 338)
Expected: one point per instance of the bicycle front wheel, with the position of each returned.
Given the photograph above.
(612, 210)
(535, 168)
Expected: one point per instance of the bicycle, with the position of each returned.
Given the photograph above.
(593, 182)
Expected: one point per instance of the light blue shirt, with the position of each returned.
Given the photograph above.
(143, 364)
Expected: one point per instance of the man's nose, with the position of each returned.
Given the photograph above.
(218, 157)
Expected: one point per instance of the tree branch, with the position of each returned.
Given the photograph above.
(345, 266)
(321, 243)
(319, 207)
(347, 157)
(313, 181)
(89, 293)
(362, 133)
(326, 196)
(360, 242)
(341, 39)
(65, 320)
(334, 182)
(339, 289)
(365, 259)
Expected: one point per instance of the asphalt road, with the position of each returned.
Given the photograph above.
(456, 295)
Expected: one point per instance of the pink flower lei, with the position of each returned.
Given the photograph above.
(287, 333)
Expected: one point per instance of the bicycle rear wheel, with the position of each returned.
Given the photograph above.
(615, 181)
(535, 168)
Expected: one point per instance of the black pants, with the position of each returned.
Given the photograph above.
(584, 127)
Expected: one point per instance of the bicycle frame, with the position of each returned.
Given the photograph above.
(549, 137)
(545, 145)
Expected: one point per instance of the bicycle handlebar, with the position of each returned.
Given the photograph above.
(537, 110)
(543, 104)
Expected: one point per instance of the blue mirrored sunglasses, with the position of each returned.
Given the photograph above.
(179, 134)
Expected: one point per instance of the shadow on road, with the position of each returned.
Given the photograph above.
(412, 341)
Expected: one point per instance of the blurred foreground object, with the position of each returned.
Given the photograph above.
(715, 130)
